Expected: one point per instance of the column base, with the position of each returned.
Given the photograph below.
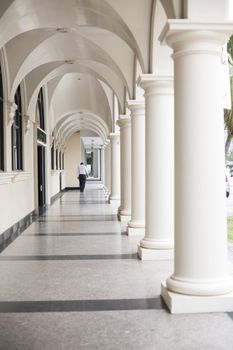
(180, 303)
(124, 215)
(114, 200)
(135, 231)
(200, 288)
(136, 228)
(155, 254)
(124, 218)
(151, 243)
(105, 189)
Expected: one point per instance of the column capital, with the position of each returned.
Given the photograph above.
(12, 107)
(136, 106)
(124, 121)
(51, 138)
(114, 135)
(106, 144)
(156, 85)
(183, 35)
(27, 124)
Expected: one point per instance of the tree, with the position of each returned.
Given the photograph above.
(228, 113)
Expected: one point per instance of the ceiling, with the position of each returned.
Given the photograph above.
(85, 54)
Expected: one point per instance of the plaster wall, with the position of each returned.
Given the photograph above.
(72, 159)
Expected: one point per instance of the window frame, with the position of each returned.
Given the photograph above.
(40, 110)
(17, 134)
(2, 139)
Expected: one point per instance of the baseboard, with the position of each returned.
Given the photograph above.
(56, 196)
(72, 189)
(14, 231)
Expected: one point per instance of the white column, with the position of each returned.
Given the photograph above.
(103, 161)
(201, 280)
(136, 226)
(125, 145)
(107, 169)
(159, 104)
(95, 163)
(115, 167)
(109, 172)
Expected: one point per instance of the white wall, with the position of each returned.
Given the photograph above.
(72, 159)
(63, 181)
(17, 187)
(54, 182)
(17, 201)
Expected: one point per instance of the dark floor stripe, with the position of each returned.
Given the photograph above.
(49, 215)
(77, 199)
(76, 220)
(230, 314)
(67, 257)
(86, 202)
(81, 305)
(75, 234)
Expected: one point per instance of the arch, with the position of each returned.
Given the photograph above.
(74, 118)
(79, 128)
(72, 49)
(161, 60)
(56, 13)
(173, 8)
(43, 75)
(5, 74)
(86, 94)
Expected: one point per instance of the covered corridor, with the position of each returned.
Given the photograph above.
(136, 90)
(72, 280)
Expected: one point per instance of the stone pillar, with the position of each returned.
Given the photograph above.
(125, 145)
(96, 161)
(107, 168)
(115, 167)
(136, 226)
(200, 282)
(159, 105)
(102, 155)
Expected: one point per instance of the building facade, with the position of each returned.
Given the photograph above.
(135, 89)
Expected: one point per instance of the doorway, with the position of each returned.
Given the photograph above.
(93, 160)
(41, 178)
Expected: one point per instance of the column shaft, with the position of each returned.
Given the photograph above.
(125, 145)
(137, 222)
(158, 240)
(107, 168)
(115, 167)
(200, 204)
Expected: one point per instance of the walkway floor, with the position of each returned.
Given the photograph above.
(72, 281)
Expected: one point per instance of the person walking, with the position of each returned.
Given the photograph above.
(82, 174)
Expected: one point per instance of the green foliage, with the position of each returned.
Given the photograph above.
(230, 228)
(230, 48)
(230, 156)
(228, 114)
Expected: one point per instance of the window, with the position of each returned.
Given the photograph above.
(40, 110)
(41, 134)
(1, 124)
(63, 161)
(56, 159)
(52, 157)
(60, 161)
(16, 134)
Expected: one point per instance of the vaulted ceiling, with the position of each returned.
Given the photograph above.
(87, 54)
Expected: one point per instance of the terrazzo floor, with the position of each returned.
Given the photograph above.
(72, 281)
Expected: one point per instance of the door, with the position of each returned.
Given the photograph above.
(41, 177)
